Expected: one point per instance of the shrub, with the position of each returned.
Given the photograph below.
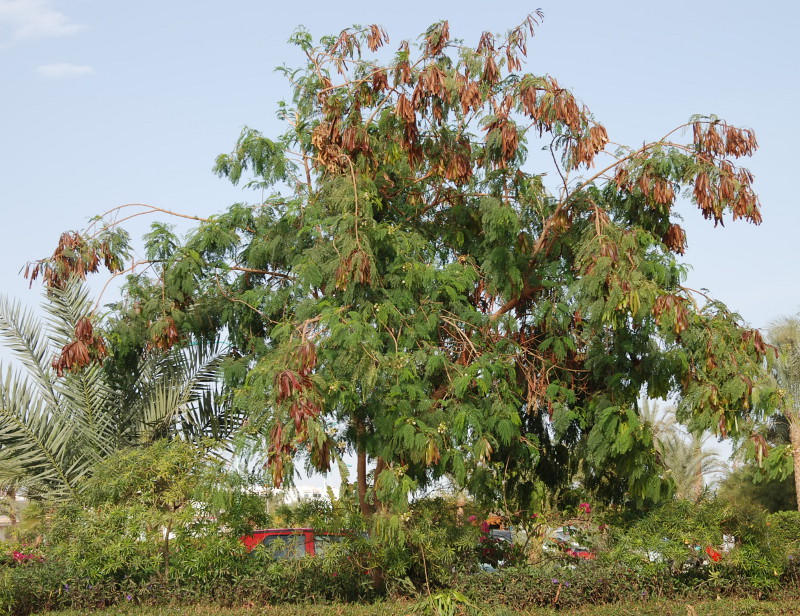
(563, 586)
(425, 548)
(340, 574)
(784, 533)
(113, 553)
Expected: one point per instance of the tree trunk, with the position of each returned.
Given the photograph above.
(794, 436)
(698, 474)
(378, 574)
(12, 506)
(361, 478)
(379, 468)
(361, 470)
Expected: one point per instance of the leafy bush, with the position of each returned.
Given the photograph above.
(729, 607)
(784, 533)
(341, 574)
(668, 539)
(36, 585)
(425, 548)
(586, 583)
(113, 553)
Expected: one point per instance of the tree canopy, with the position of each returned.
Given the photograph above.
(451, 270)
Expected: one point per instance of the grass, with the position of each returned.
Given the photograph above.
(726, 607)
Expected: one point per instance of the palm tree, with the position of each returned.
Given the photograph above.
(684, 455)
(689, 462)
(53, 430)
(784, 334)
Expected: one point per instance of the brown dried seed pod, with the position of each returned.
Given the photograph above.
(675, 239)
(436, 41)
(510, 140)
(621, 177)
(663, 192)
(83, 330)
(376, 38)
(490, 73)
(528, 98)
(379, 81)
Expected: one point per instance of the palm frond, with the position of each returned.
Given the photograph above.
(38, 448)
(65, 307)
(24, 335)
(785, 335)
(84, 395)
(181, 395)
(54, 430)
(51, 430)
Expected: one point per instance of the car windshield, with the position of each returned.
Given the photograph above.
(321, 543)
(286, 546)
(504, 535)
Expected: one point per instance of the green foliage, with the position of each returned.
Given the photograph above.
(674, 540)
(155, 510)
(597, 588)
(589, 584)
(748, 485)
(784, 458)
(425, 548)
(671, 536)
(341, 574)
(446, 603)
(784, 533)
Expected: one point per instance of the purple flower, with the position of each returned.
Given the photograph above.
(555, 581)
(566, 584)
(128, 597)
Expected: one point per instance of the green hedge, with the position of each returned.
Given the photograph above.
(97, 564)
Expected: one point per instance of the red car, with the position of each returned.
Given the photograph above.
(294, 542)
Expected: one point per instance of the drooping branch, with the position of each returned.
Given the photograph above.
(150, 209)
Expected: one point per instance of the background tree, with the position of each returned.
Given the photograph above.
(419, 296)
(689, 463)
(63, 413)
(785, 335)
(747, 486)
(763, 469)
(686, 459)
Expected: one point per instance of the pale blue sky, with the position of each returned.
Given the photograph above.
(107, 102)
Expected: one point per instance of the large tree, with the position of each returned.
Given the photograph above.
(458, 274)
